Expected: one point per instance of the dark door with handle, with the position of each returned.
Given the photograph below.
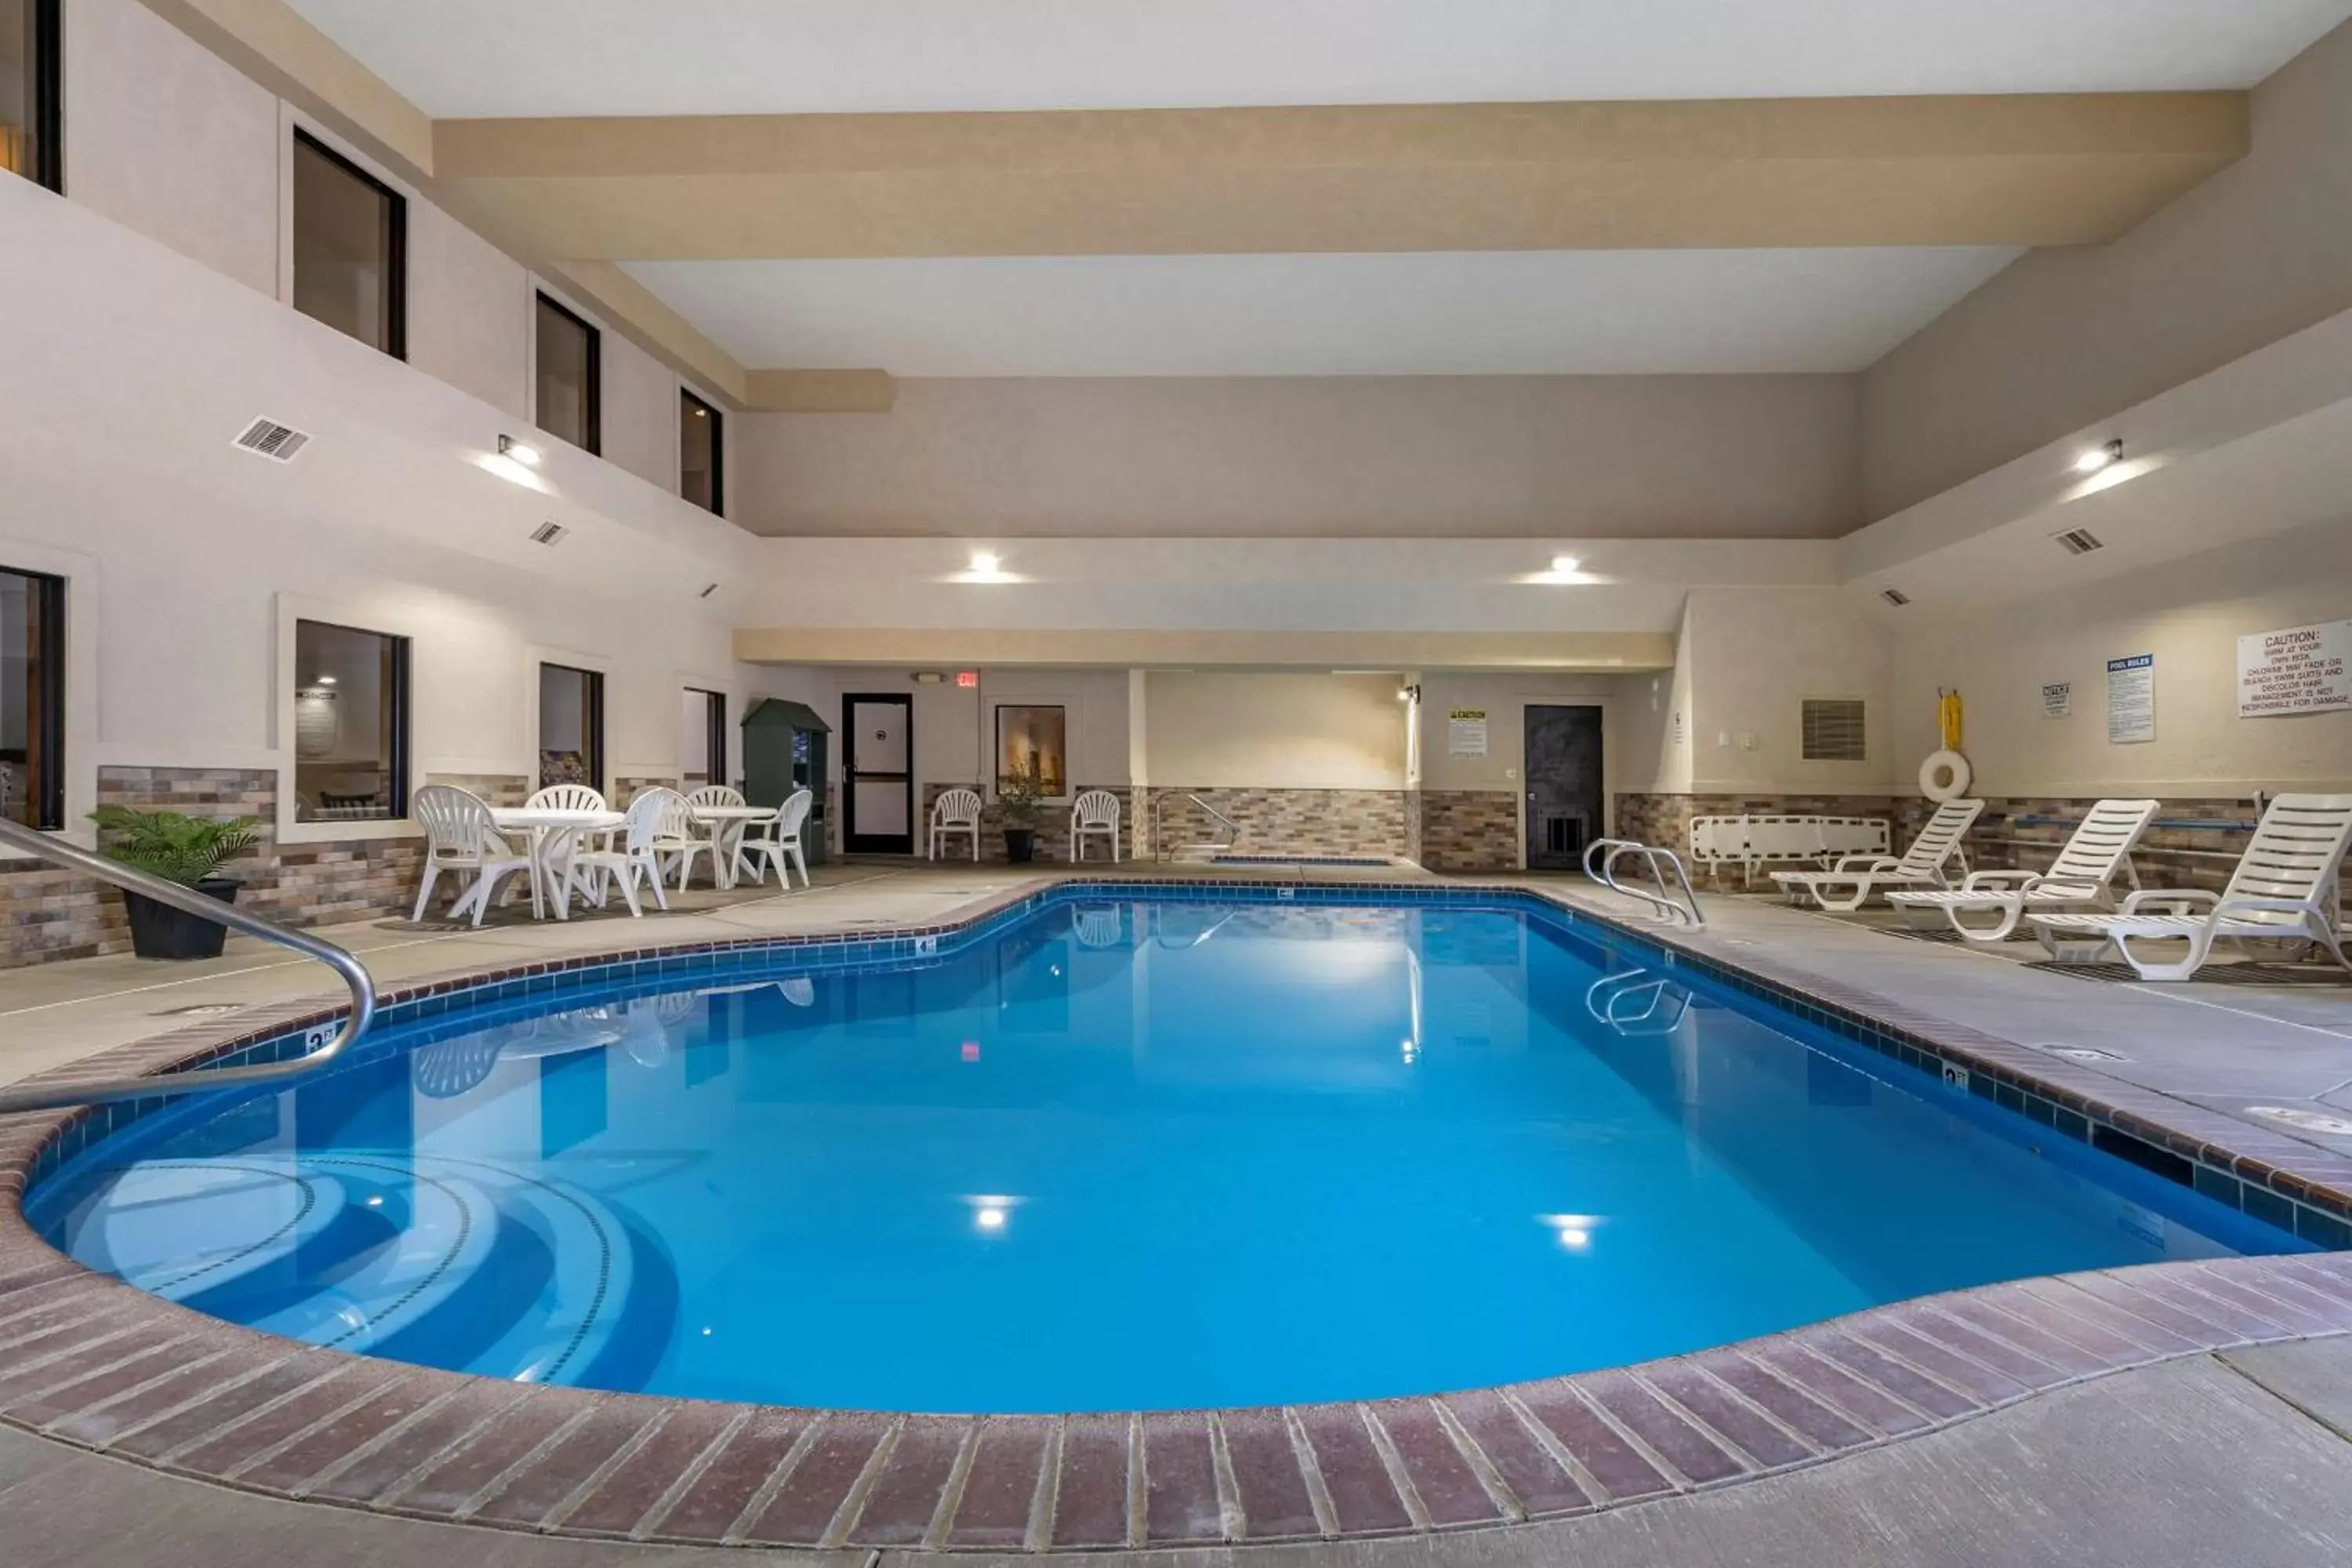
(1563, 779)
(877, 774)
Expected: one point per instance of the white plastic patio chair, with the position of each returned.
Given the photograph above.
(568, 797)
(563, 854)
(461, 835)
(632, 852)
(2286, 888)
(2086, 869)
(777, 842)
(956, 811)
(1849, 884)
(715, 795)
(676, 842)
(1094, 815)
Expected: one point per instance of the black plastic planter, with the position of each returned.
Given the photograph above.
(159, 931)
(1020, 845)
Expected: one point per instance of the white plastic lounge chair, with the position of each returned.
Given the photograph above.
(1851, 883)
(777, 840)
(1094, 815)
(2285, 889)
(2084, 873)
(460, 835)
(956, 811)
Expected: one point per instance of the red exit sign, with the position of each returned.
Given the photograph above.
(967, 678)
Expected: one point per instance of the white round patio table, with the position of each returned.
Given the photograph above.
(553, 835)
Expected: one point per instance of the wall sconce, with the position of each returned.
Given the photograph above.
(1409, 693)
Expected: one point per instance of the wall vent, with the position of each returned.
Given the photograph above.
(277, 442)
(548, 532)
(1834, 731)
(1895, 597)
(705, 592)
(2078, 541)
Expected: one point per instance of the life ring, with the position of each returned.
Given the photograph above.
(1944, 777)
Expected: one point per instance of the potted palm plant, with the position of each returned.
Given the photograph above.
(1017, 795)
(179, 848)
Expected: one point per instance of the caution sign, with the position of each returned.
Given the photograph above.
(2297, 669)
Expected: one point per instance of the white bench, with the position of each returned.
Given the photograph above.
(1751, 841)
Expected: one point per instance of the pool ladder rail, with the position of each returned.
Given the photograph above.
(1684, 909)
(1160, 839)
(1637, 1002)
(99, 1091)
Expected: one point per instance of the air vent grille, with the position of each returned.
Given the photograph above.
(2078, 541)
(270, 440)
(548, 532)
(1895, 597)
(1833, 729)
(707, 591)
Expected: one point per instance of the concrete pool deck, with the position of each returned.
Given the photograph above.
(1999, 1008)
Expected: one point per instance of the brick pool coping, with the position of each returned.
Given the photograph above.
(89, 1361)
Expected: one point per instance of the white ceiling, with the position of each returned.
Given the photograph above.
(1594, 312)
(489, 58)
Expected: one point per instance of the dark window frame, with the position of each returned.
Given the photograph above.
(715, 721)
(395, 267)
(593, 394)
(687, 402)
(45, 726)
(592, 722)
(397, 694)
(44, 75)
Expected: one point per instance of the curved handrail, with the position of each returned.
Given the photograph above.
(354, 975)
(1160, 838)
(1601, 999)
(1605, 875)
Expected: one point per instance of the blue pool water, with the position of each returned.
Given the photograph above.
(1133, 1155)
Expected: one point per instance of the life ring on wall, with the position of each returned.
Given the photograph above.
(1944, 777)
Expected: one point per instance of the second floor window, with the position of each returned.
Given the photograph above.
(570, 377)
(350, 247)
(701, 454)
(31, 88)
(32, 699)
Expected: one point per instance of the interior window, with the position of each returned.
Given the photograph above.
(32, 699)
(30, 89)
(1029, 744)
(701, 454)
(350, 723)
(571, 726)
(350, 245)
(570, 391)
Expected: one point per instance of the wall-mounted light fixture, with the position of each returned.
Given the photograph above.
(1564, 565)
(2106, 456)
(983, 564)
(523, 452)
(1409, 693)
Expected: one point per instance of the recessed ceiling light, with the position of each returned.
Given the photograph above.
(523, 452)
(2100, 457)
(1563, 565)
(983, 564)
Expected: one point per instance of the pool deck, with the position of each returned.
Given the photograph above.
(1628, 1465)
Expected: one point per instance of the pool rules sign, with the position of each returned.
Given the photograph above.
(2300, 670)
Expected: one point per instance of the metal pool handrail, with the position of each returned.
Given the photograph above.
(1663, 899)
(1158, 838)
(354, 975)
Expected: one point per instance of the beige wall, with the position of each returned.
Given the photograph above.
(1752, 656)
(468, 311)
(640, 416)
(1544, 456)
(1274, 731)
(2067, 336)
(165, 138)
(955, 727)
(1504, 699)
(2189, 615)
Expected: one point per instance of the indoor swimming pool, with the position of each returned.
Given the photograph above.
(1114, 1149)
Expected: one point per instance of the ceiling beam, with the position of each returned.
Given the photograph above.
(1615, 653)
(2042, 170)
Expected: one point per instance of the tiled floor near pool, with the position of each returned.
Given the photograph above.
(2156, 1060)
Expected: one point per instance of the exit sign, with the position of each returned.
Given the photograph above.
(967, 678)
